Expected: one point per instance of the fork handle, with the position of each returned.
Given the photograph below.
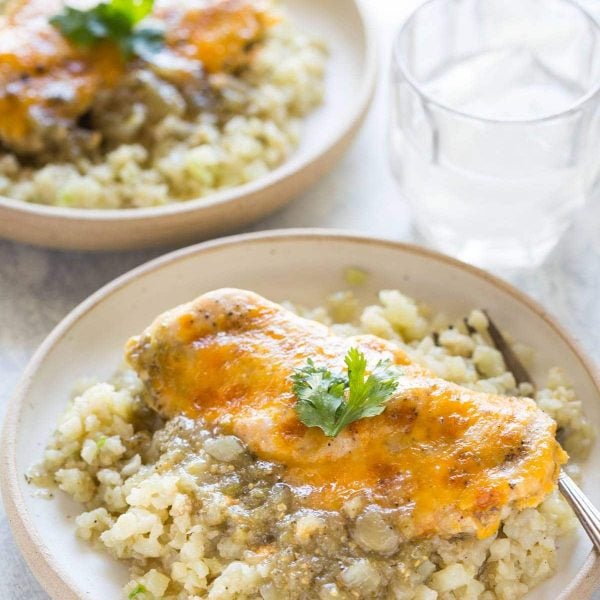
(586, 512)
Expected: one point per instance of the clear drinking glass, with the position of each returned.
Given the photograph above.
(495, 124)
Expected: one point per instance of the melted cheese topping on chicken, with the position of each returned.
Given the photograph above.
(446, 459)
(218, 35)
(46, 80)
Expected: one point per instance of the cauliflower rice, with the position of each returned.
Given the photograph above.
(196, 516)
(156, 153)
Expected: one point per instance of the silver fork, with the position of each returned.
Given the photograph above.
(586, 512)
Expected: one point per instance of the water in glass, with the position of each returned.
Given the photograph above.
(495, 144)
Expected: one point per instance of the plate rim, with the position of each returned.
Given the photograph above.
(348, 127)
(42, 564)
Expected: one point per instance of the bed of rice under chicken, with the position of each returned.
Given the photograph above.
(161, 144)
(197, 516)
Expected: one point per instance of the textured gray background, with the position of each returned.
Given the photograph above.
(39, 287)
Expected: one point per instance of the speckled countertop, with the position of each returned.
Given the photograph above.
(39, 287)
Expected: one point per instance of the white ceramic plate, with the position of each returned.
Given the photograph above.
(327, 132)
(300, 265)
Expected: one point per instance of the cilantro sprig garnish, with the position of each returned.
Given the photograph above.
(112, 21)
(332, 401)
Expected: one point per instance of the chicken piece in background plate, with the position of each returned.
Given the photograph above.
(444, 459)
(48, 84)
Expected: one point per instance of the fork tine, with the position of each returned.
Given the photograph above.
(514, 365)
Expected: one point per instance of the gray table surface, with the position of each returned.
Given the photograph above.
(39, 287)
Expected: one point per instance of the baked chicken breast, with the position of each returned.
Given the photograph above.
(444, 459)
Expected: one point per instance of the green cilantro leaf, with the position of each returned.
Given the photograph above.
(135, 9)
(331, 402)
(144, 42)
(113, 21)
(320, 394)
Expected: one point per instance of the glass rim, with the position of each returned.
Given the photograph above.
(401, 64)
